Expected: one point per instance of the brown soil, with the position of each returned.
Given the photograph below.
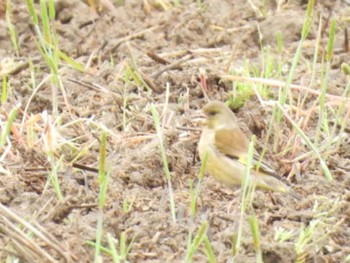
(201, 43)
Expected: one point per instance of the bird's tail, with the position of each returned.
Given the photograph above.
(273, 184)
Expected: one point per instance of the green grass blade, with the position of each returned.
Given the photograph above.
(32, 12)
(6, 131)
(4, 89)
(308, 142)
(156, 120)
(196, 242)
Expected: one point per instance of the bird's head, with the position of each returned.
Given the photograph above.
(218, 115)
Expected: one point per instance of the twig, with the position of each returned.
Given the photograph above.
(173, 65)
(153, 86)
(85, 167)
(127, 38)
(24, 242)
(187, 128)
(14, 217)
(93, 86)
(346, 41)
(157, 58)
(278, 83)
(14, 70)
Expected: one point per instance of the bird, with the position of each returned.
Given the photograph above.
(224, 146)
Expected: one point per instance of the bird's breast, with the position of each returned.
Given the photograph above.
(218, 165)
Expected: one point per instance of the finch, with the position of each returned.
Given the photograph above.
(225, 148)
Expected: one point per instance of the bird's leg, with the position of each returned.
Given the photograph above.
(273, 199)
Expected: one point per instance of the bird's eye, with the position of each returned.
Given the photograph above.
(212, 113)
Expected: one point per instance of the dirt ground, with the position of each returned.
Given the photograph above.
(183, 48)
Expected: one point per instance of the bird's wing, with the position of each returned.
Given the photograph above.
(234, 144)
(262, 166)
(231, 142)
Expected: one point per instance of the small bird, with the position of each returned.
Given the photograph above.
(226, 147)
